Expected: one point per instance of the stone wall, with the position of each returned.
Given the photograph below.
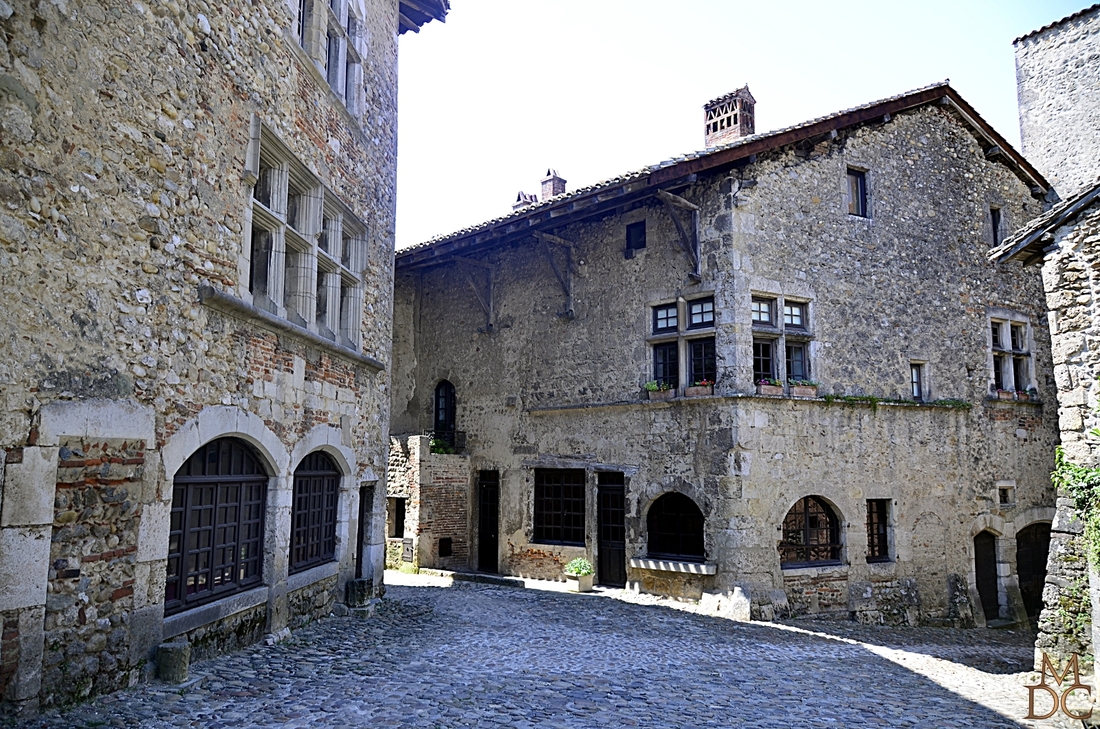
(1058, 85)
(128, 156)
(313, 602)
(909, 283)
(1070, 278)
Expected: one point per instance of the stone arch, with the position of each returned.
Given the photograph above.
(226, 421)
(222, 421)
(794, 551)
(1009, 600)
(929, 550)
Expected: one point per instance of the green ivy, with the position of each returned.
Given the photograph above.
(1082, 484)
(874, 401)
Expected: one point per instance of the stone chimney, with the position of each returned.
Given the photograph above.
(729, 117)
(523, 200)
(552, 184)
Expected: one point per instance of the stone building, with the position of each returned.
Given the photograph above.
(196, 216)
(1058, 76)
(851, 407)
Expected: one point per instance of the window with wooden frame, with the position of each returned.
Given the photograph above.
(666, 364)
(878, 530)
(313, 512)
(781, 338)
(700, 313)
(857, 193)
(811, 534)
(665, 318)
(559, 506)
(307, 251)
(917, 386)
(216, 527)
(763, 311)
(704, 365)
(1010, 356)
(763, 359)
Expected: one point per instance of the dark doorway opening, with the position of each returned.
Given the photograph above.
(1032, 547)
(985, 571)
(488, 509)
(611, 537)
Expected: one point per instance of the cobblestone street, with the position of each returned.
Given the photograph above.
(474, 655)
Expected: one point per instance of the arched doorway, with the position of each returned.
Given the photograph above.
(216, 534)
(675, 529)
(985, 573)
(1032, 547)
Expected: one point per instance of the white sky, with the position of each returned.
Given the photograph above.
(594, 88)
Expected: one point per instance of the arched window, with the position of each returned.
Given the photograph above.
(216, 536)
(811, 534)
(675, 527)
(445, 412)
(313, 523)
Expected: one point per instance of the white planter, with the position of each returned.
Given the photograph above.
(579, 583)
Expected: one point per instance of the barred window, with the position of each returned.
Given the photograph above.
(215, 538)
(811, 534)
(559, 506)
(313, 522)
(878, 522)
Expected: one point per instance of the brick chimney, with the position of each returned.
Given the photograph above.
(523, 200)
(552, 184)
(729, 117)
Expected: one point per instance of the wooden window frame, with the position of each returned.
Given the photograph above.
(857, 193)
(802, 535)
(559, 507)
(207, 517)
(314, 509)
(878, 530)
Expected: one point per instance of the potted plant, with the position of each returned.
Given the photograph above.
(1023, 395)
(578, 573)
(803, 388)
(702, 387)
(769, 386)
(659, 390)
(1005, 394)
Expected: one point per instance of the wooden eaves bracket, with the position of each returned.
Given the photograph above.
(688, 242)
(564, 279)
(484, 297)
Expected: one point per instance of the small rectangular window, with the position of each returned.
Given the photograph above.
(666, 365)
(1020, 377)
(261, 260)
(797, 363)
(1019, 340)
(664, 318)
(763, 362)
(857, 193)
(995, 219)
(635, 236)
(878, 523)
(1000, 361)
(762, 311)
(703, 364)
(995, 334)
(794, 315)
(333, 60)
(446, 547)
(916, 381)
(700, 313)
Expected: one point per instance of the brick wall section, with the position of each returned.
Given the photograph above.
(444, 506)
(822, 591)
(91, 586)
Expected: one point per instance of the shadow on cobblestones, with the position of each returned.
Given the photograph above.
(472, 655)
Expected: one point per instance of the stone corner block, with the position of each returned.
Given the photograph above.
(24, 566)
(29, 488)
(99, 418)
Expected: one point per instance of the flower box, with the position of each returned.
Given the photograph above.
(698, 390)
(1006, 395)
(769, 390)
(803, 390)
(1023, 396)
(581, 583)
(661, 394)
